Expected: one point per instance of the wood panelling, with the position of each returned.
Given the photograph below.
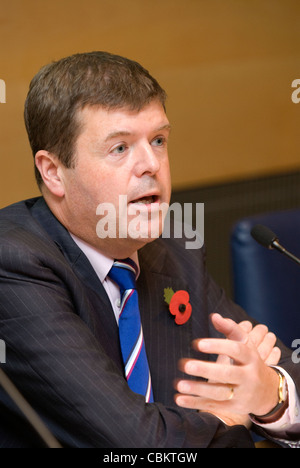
(227, 67)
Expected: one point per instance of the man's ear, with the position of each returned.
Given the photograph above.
(48, 164)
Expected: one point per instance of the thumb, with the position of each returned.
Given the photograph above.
(229, 328)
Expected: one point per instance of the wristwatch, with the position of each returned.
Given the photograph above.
(281, 406)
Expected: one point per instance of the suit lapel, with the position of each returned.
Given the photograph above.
(68, 247)
(166, 342)
(102, 322)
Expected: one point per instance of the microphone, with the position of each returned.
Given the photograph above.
(268, 239)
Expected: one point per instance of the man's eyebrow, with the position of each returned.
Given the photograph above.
(163, 127)
(117, 134)
(120, 133)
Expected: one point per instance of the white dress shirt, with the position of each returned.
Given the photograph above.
(102, 265)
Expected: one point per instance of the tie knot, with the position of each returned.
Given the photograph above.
(123, 272)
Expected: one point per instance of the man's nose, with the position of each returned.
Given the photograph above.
(146, 160)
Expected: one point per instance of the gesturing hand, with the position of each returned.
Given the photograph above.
(240, 381)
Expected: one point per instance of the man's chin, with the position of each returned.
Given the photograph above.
(146, 234)
(122, 248)
(147, 226)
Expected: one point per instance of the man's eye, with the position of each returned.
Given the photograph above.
(119, 149)
(159, 141)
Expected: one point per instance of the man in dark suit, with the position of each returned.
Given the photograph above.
(98, 131)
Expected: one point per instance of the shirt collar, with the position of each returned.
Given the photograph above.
(99, 261)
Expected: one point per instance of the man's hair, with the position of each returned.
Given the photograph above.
(62, 88)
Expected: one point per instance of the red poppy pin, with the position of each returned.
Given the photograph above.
(179, 305)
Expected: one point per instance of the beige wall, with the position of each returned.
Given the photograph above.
(227, 66)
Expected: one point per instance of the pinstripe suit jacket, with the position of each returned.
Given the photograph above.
(62, 340)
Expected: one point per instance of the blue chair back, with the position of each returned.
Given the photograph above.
(265, 282)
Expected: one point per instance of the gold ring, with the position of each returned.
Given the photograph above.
(231, 393)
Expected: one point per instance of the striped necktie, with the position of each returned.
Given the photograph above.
(137, 373)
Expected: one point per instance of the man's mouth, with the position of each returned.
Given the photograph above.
(148, 200)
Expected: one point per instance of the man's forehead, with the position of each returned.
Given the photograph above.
(123, 121)
(120, 133)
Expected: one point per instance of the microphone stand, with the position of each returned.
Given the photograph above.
(281, 249)
(28, 411)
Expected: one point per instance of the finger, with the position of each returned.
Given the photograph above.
(201, 404)
(229, 328)
(214, 391)
(258, 333)
(235, 350)
(223, 359)
(212, 371)
(188, 401)
(266, 345)
(246, 326)
(274, 357)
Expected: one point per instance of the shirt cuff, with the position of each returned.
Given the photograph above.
(289, 423)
